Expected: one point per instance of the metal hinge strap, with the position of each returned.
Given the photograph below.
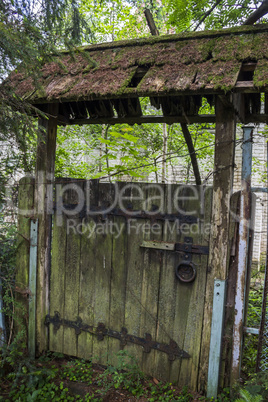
(172, 349)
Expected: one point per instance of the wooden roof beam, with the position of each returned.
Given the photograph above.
(199, 119)
(147, 119)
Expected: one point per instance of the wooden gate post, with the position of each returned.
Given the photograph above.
(220, 219)
(45, 167)
(243, 246)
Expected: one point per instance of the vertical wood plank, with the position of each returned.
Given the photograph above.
(26, 204)
(72, 272)
(151, 275)
(133, 310)
(170, 294)
(103, 263)
(87, 286)
(193, 323)
(220, 220)
(230, 294)
(118, 284)
(57, 278)
(45, 166)
(89, 250)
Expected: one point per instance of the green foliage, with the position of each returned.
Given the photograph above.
(248, 397)
(253, 320)
(30, 31)
(122, 152)
(125, 374)
(115, 20)
(78, 370)
(12, 349)
(224, 396)
(166, 392)
(257, 386)
(181, 12)
(187, 15)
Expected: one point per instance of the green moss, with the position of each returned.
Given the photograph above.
(206, 48)
(62, 66)
(88, 68)
(173, 59)
(246, 29)
(69, 87)
(260, 78)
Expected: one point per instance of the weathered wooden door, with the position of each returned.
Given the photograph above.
(128, 270)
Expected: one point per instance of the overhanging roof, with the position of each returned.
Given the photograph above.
(114, 75)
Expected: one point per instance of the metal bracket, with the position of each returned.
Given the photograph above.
(216, 337)
(178, 247)
(172, 349)
(32, 287)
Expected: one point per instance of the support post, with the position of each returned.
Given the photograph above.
(45, 167)
(243, 243)
(32, 288)
(219, 247)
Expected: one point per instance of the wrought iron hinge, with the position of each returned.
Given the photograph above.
(172, 349)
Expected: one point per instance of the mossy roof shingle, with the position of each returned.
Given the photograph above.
(173, 64)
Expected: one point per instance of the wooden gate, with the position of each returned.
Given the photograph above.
(127, 271)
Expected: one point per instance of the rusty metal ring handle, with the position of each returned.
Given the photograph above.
(186, 272)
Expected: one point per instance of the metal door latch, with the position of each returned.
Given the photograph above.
(186, 270)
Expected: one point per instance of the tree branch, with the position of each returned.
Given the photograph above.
(192, 153)
(150, 22)
(259, 13)
(207, 14)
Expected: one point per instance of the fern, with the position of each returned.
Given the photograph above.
(247, 397)
(182, 12)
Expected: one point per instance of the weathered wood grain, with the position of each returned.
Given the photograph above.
(135, 269)
(57, 281)
(220, 221)
(151, 274)
(44, 177)
(102, 292)
(25, 203)
(71, 291)
(193, 331)
(226, 360)
(110, 278)
(171, 296)
(118, 283)
(72, 270)
(87, 286)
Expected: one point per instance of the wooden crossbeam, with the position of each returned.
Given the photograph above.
(198, 119)
(147, 119)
